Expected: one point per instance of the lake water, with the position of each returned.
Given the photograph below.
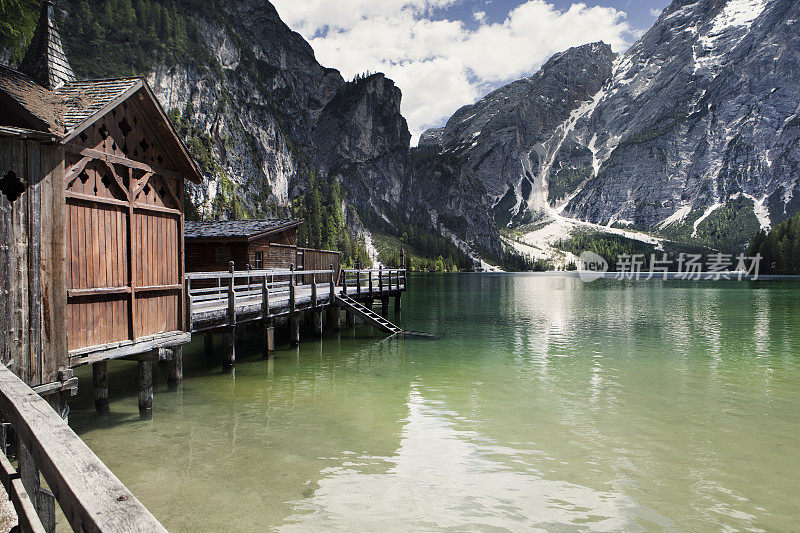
(545, 403)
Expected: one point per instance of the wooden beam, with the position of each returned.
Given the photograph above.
(124, 161)
(85, 356)
(99, 291)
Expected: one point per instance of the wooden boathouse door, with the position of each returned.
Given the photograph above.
(124, 236)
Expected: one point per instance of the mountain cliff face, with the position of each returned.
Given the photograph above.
(501, 137)
(693, 133)
(701, 114)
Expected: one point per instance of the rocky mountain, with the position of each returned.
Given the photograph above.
(501, 137)
(691, 134)
(274, 131)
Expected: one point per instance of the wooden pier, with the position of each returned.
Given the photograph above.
(219, 302)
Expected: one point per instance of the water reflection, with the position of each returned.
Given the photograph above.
(443, 477)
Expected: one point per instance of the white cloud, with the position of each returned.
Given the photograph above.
(480, 16)
(441, 65)
(655, 12)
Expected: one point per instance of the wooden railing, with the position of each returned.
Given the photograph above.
(92, 498)
(373, 281)
(210, 288)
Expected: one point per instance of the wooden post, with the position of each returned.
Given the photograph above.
(145, 387)
(209, 344)
(390, 280)
(317, 317)
(100, 386)
(230, 347)
(231, 297)
(397, 304)
(314, 294)
(265, 299)
(344, 283)
(333, 286)
(269, 339)
(41, 498)
(188, 306)
(176, 365)
(350, 319)
(370, 282)
(385, 304)
(380, 279)
(294, 318)
(358, 282)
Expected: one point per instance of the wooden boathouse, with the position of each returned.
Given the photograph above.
(252, 244)
(92, 178)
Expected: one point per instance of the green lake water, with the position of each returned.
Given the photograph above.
(545, 403)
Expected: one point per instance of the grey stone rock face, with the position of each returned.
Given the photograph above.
(702, 109)
(501, 138)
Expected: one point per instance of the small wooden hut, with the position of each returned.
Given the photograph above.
(91, 216)
(254, 244)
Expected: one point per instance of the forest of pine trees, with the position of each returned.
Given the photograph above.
(320, 206)
(779, 249)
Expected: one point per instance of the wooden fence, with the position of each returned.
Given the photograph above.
(373, 281)
(92, 498)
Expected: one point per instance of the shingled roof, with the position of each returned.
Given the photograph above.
(41, 107)
(82, 99)
(44, 60)
(238, 229)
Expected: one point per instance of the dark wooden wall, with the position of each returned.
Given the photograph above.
(201, 256)
(32, 262)
(124, 232)
(319, 260)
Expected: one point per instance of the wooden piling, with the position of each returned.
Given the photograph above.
(294, 330)
(209, 343)
(145, 372)
(334, 317)
(317, 317)
(385, 304)
(230, 348)
(350, 319)
(269, 339)
(100, 386)
(397, 304)
(176, 366)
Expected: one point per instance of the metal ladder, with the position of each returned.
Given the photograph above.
(369, 316)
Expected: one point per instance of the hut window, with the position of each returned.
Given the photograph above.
(221, 255)
(258, 260)
(11, 186)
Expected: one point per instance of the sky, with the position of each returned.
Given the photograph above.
(444, 54)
